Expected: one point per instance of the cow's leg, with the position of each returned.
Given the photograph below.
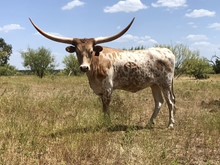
(158, 99)
(170, 99)
(106, 99)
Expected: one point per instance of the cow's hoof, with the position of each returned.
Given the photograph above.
(171, 126)
(150, 125)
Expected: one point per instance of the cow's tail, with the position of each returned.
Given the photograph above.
(173, 92)
(173, 96)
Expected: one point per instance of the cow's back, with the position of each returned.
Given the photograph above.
(136, 70)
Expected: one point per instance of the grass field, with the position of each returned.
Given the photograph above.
(58, 120)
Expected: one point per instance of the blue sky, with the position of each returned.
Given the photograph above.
(195, 23)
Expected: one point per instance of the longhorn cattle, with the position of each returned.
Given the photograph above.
(108, 69)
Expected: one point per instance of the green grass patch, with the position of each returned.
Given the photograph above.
(59, 120)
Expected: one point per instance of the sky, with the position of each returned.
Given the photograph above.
(194, 23)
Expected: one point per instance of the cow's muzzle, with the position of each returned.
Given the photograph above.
(84, 68)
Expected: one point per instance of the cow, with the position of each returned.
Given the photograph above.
(109, 69)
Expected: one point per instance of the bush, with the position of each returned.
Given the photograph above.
(7, 70)
(71, 65)
(182, 54)
(199, 68)
(215, 64)
(189, 62)
(39, 61)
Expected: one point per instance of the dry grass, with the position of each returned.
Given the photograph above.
(58, 120)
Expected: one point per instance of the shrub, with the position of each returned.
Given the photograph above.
(199, 68)
(39, 61)
(71, 65)
(7, 70)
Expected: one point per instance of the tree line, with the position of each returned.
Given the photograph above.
(41, 61)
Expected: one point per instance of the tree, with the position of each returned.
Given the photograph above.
(135, 48)
(71, 65)
(199, 68)
(215, 60)
(5, 52)
(7, 70)
(38, 61)
(183, 55)
(189, 62)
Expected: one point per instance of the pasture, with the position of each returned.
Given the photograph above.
(58, 120)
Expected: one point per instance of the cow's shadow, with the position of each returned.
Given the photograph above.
(120, 127)
(93, 129)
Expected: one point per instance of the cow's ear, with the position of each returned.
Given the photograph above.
(97, 49)
(70, 49)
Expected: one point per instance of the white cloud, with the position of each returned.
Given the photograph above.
(215, 26)
(143, 40)
(205, 48)
(10, 27)
(51, 33)
(73, 4)
(194, 38)
(170, 3)
(129, 40)
(192, 24)
(125, 6)
(200, 13)
(202, 44)
(118, 27)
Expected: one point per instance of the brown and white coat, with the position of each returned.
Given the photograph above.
(108, 69)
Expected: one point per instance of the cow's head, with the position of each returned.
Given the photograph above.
(84, 48)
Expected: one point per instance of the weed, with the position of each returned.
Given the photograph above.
(59, 120)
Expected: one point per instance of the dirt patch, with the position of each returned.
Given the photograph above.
(211, 106)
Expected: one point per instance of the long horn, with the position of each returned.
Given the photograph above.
(108, 39)
(52, 37)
